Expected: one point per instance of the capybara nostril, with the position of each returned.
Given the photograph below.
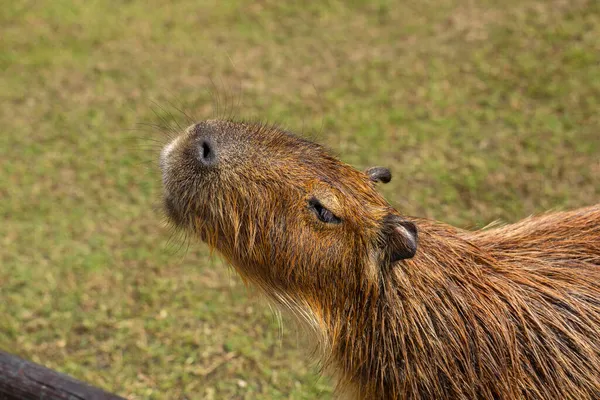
(206, 153)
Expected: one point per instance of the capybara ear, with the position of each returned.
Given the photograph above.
(400, 238)
(379, 174)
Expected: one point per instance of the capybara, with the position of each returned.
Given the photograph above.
(402, 307)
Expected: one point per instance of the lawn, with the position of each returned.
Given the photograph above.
(483, 111)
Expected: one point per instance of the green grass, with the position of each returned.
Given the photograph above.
(483, 111)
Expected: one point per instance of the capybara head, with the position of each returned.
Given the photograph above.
(290, 217)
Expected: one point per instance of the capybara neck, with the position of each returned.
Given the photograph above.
(402, 307)
(505, 313)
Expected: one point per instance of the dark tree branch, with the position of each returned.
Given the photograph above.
(24, 380)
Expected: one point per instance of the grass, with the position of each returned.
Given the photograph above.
(483, 111)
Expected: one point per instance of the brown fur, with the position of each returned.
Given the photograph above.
(509, 312)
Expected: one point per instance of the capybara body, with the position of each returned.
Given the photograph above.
(403, 308)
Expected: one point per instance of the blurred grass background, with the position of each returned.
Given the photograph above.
(483, 110)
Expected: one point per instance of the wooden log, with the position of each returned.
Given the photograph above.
(24, 380)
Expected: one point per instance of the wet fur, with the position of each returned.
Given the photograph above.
(509, 312)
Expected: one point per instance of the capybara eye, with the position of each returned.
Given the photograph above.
(323, 213)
